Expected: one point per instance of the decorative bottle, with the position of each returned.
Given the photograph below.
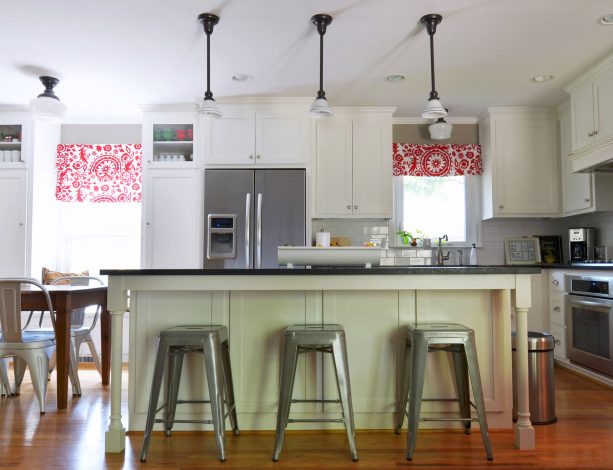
(473, 255)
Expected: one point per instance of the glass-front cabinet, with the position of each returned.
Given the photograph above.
(11, 149)
(169, 140)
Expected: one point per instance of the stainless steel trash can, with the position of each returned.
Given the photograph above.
(541, 386)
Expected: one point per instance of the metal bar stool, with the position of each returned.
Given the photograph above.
(212, 342)
(326, 338)
(460, 341)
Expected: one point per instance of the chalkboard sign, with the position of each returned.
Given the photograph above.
(551, 249)
(522, 250)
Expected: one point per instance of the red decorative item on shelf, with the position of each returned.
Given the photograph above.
(180, 134)
(190, 134)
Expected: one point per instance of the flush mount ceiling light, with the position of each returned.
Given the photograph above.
(209, 107)
(441, 129)
(542, 78)
(47, 106)
(606, 20)
(434, 109)
(396, 77)
(320, 107)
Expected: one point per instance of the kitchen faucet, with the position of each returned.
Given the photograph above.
(441, 257)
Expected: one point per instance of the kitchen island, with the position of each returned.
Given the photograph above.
(372, 304)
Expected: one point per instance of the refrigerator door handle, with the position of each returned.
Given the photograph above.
(247, 229)
(258, 234)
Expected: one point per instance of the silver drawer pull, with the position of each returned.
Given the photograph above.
(556, 309)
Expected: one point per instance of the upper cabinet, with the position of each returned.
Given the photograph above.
(591, 110)
(171, 140)
(520, 162)
(581, 192)
(353, 164)
(13, 150)
(270, 134)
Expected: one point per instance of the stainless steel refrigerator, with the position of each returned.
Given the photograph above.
(249, 213)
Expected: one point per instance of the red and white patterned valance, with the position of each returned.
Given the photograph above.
(99, 173)
(437, 160)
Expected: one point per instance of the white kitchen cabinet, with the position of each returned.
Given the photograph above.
(262, 134)
(171, 140)
(13, 211)
(520, 162)
(581, 192)
(353, 165)
(172, 219)
(557, 320)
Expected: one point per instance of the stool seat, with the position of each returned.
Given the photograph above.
(324, 338)
(212, 342)
(459, 340)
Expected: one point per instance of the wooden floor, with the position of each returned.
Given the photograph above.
(74, 439)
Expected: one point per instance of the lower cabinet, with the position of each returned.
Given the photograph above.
(172, 219)
(13, 213)
(557, 314)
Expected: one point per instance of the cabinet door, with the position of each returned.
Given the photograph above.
(582, 112)
(603, 105)
(576, 187)
(280, 138)
(172, 208)
(333, 180)
(230, 139)
(13, 213)
(372, 169)
(527, 167)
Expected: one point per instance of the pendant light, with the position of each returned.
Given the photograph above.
(47, 106)
(320, 107)
(441, 129)
(209, 107)
(434, 109)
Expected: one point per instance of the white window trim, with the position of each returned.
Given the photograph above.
(473, 213)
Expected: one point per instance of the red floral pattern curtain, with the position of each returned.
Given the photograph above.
(437, 160)
(99, 173)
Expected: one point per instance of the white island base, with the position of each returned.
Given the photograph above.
(373, 308)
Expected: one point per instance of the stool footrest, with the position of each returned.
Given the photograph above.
(315, 401)
(201, 421)
(474, 420)
(316, 420)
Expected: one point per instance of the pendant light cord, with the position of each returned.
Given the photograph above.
(207, 94)
(321, 93)
(433, 92)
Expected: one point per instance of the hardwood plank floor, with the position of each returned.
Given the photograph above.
(74, 439)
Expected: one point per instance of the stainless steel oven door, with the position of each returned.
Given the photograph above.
(589, 332)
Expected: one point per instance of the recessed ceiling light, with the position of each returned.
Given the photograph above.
(241, 77)
(542, 78)
(394, 78)
(606, 20)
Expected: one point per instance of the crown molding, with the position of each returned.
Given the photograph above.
(420, 120)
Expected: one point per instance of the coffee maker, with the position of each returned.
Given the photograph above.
(581, 244)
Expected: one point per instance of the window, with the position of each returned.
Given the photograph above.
(435, 206)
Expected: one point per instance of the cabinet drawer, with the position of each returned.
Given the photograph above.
(556, 308)
(559, 333)
(556, 281)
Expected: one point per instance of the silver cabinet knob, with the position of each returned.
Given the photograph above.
(587, 199)
(556, 309)
(251, 157)
(558, 342)
(555, 282)
(595, 132)
(590, 134)
(355, 207)
(21, 224)
(349, 207)
(500, 206)
(258, 157)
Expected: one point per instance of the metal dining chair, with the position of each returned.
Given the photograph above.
(31, 348)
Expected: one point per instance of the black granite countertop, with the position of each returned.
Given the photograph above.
(329, 270)
(580, 266)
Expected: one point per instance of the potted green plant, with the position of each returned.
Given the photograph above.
(408, 238)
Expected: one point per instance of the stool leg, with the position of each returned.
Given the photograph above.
(339, 350)
(460, 371)
(416, 389)
(158, 374)
(289, 358)
(229, 386)
(212, 359)
(404, 386)
(475, 378)
(175, 365)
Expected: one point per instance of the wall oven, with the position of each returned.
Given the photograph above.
(589, 322)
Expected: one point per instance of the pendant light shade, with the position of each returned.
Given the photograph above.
(320, 107)
(47, 106)
(434, 109)
(208, 108)
(440, 130)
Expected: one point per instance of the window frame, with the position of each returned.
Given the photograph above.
(472, 202)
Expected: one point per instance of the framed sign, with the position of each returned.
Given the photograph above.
(551, 249)
(522, 250)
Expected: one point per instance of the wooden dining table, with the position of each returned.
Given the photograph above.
(64, 299)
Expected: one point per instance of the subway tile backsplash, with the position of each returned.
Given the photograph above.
(491, 251)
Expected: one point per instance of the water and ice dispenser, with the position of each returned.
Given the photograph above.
(221, 236)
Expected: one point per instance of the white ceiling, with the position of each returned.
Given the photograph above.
(114, 55)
